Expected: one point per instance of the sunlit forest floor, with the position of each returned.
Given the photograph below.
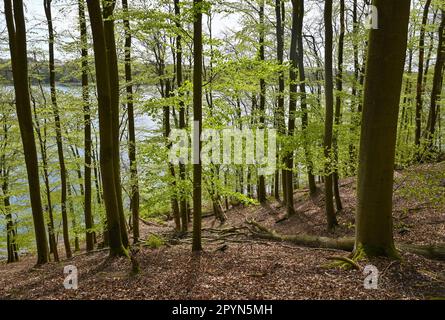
(235, 265)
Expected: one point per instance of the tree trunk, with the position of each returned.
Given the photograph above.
(105, 130)
(437, 86)
(289, 157)
(303, 97)
(134, 199)
(15, 21)
(52, 82)
(182, 173)
(197, 117)
(113, 71)
(261, 179)
(43, 150)
(385, 64)
(327, 143)
(419, 91)
(338, 104)
(89, 236)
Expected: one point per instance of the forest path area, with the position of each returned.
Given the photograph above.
(235, 265)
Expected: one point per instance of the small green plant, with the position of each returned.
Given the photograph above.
(154, 241)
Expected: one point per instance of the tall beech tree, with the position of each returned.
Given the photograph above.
(329, 116)
(5, 169)
(113, 70)
(279, 114)
(134, 198)
(385, 65)
(338, 103)
(179, 80)
(293, 88)
(419, 90)
(107, 163)
(42, 134)
(303, 98)
(437, 85)
(15, 22)
(62, 167)
(197, 117)
(89, 236)
(262, 109)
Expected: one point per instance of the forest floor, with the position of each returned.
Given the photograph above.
(235, 265)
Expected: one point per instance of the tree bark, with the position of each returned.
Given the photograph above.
(303, 98)
(105, 131)
(419, 91)
(179, 77)
(52, 82)
(15, 21)
(89, 236)
(292, 109)
(197, 117)
(134, 199)
(329, 117)
(110, 42)
(437, 86)
(385, 64)
(338, 104)
(262, 56)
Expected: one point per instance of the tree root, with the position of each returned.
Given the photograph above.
(345, 262)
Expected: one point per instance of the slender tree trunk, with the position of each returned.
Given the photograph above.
(338, 104)
(329, 118)
(303, 97)
(292, 108)
(171, 168)
(182, 173)
(11, 245)
(197, 117)
(280, 118)
(89, 235)
(73, 217)
(419, 91)
(15, 21)
(134, 199)
(262, 55)
(44, 155)
(355, 89)
(437, 86)
(386, 59)
(52, 82)
(107, 164)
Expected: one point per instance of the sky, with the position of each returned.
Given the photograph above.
(65, 20)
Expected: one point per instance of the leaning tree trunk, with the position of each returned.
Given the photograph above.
(15, 22)
(329, 117)
(134, 199)
(197, 117)
(385, 64)
(107, 164)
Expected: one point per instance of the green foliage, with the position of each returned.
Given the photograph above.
(154, 241)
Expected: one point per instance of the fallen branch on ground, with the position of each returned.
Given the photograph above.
(434, 252)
